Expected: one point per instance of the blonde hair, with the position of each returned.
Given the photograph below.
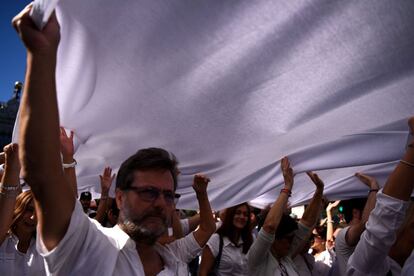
(22, 201)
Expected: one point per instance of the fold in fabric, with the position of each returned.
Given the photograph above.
(230, 87)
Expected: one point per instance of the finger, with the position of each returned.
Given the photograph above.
(16, 21)
(71, 134)
(63, 131)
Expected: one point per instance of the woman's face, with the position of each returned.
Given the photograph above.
(241, 216)
(28, 221)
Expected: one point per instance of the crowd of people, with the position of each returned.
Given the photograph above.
(51, 230)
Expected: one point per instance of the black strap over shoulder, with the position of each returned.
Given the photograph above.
(213, 271)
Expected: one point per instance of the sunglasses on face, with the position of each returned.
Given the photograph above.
(150, 194)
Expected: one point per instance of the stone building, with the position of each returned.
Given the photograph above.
(8, 112)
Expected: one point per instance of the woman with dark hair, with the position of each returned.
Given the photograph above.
(225, 253)
(18, 255)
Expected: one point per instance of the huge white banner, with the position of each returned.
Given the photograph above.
(230, 87)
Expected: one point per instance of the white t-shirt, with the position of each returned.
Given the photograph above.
(232, 261)
(14, 262)
(90, 249)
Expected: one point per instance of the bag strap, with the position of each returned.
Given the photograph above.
(217, 259)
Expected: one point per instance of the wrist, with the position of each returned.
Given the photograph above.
(286, 191)
(67, 159)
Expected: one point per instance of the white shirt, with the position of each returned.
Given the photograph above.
(232, 261)
(260, 260)
(371, 254)
(90, 249)
(14, 262)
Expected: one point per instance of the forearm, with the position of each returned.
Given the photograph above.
(207, 224)
(400, 184)
(7, 200)
(275, 214)
(40, 148)
(176, 226)
(312, 212)
(329, 226)
(104, 202)
(70, 173)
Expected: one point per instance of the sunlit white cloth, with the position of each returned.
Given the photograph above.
(232, 86)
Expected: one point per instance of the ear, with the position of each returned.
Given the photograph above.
(119, 197)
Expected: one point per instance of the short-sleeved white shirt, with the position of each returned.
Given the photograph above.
(232, 261)
(90, 249)
(14, 262)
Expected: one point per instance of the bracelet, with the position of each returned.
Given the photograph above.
(71, 165)
(373, 190)
(287, 191)
(9, 188)
(9, 191)
(406, 163)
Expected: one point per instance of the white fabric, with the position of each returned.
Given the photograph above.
(232, 86)
(232, 261)
(408, 268)
(90, 249)
(14, 262)
(370, 255)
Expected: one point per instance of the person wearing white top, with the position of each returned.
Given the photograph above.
(281, 237)
(18, 255)
(236, 238)
(145, 185)
(371, 254)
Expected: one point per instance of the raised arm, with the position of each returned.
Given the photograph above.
(9, 188)
(106, 179)
(39, 145)
(68, 151)
(207, 224)
(354, 232)
(313, 210)
(400, 183)
(275, 213)
(329, 224)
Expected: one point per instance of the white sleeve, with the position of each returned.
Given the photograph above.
(185, 226)
(259, 250)
(185, 249)
(369, 257)
(214, 244)
(77, 252)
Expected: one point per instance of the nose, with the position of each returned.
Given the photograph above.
(160, 201)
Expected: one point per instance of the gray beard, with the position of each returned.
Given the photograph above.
(140, 233)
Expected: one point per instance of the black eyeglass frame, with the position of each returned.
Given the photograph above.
(150, 194)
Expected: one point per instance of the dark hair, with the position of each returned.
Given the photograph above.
(145, 160)
(286, 226)
(227, 229)
(351, 204)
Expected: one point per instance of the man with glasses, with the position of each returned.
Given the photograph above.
(70, 242)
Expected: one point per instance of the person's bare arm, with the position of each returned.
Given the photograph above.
(176, 225)
(329, 224)
(193, 222)
(106, 181)
(400, 183)
(354, 232)
(9, 188)
(313, 210)
(39, 145)
(207, 224)
(68, 150)
(275, 213)
(207, 262)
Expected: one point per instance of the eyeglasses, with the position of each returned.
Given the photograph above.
(150, 194)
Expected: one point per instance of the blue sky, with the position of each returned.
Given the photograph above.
(12, 52)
